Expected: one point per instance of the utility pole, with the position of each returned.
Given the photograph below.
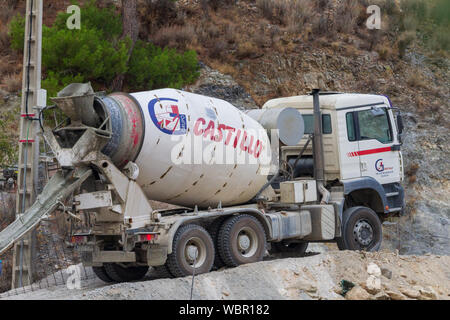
(33, 98)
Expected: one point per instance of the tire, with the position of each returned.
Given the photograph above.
(119, 273)
(251, 248)
(100, 272)
(298, 248)
(162, 272)
(213, 229)
(180, 262)
(361, 230)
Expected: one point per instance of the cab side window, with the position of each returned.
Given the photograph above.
(374, 124)
(351, 133)
(309, 123)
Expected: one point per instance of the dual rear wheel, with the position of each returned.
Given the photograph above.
(114, 272)
(230, 242)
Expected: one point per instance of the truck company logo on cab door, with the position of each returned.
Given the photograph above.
(382, 169)
(166, 116)
(379, 166)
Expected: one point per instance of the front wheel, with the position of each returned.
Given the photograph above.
(361, 230)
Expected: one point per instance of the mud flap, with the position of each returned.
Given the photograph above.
(156, 255)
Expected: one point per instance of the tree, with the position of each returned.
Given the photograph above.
(130, 23)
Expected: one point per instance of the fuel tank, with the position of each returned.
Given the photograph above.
(190, 149)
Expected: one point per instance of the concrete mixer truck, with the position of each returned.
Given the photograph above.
(323, 167)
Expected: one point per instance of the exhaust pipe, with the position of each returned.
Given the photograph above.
(319, 167)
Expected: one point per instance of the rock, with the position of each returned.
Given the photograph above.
(381, 296)
(357, 293)
(304, 286)
(411, 293)
(428, 294)
(373, 269)
(394, 295)
(386, 273)
(372, 285)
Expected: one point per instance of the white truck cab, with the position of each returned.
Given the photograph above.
(361, 142)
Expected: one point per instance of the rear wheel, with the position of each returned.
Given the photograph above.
(361, 230)
(121, 273)
(241, 240)
(192, 248)
(100, 272)
(213, 229)
(162, 272)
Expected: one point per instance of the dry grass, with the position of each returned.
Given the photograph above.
(207, 34)
(224, 68)
(6, 66)
(12, 82)
(246, 50)
(4, 40)
(411, 172)
(290, 13)
(230, 33)
(179, 37)
(384, 52)
(6, 12)
(259, 37)
(415, 81)
(320, 25)
(347, 15)
(336, 45)
(218, 50)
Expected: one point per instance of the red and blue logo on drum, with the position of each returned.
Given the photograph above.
(166, 116)
(379, 166)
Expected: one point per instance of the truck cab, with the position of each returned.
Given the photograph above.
(361, 148)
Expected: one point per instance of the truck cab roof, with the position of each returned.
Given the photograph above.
(329, 100)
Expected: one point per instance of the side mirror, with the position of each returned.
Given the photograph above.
(400, 125)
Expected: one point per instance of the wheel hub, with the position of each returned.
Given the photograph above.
(192, 253)
(363, 232)
(244, 242)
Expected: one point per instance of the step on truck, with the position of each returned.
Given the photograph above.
(323, 167)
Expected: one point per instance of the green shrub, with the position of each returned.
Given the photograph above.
(440, 13)
(16, 32)
(54, 82)
(151, 67)
(429, 20)
(98, 54)
(106, 21)
(83, 52)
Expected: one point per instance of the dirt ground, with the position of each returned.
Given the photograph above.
(318, 276)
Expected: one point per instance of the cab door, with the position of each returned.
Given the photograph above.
(379, 154)
(348, 145)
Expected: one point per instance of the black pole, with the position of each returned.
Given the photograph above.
(317, 140)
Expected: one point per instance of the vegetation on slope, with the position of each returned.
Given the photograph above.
(98, 53)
